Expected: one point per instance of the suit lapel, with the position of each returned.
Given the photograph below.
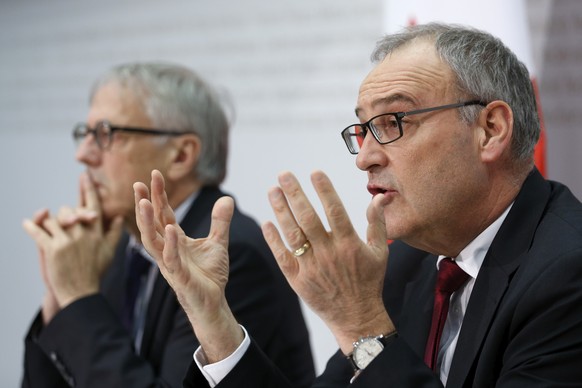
(113, 282)
(418, 299)
(159, 295)
(503, 258)
(488, 291)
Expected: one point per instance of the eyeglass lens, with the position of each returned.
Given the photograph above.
(101, 132)
(385, 128)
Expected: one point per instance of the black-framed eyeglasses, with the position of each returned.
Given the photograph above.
(387, 127)
(103, 133)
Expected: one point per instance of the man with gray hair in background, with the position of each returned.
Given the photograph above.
(445, 131)
(108, 319)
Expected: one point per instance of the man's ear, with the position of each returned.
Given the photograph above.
(496, 121)
(184, 156)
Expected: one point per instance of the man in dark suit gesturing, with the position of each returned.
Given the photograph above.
(446, 132)
(108, 319)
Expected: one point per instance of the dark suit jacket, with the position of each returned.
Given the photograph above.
(523, 324)
(85, 345)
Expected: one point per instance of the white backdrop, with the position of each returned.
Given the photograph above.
(292, 69)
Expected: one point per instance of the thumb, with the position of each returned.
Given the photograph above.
(221, 217)
(376, 232)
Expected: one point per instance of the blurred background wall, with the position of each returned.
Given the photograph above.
(292, 70)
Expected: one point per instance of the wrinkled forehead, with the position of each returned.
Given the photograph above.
(413, 74)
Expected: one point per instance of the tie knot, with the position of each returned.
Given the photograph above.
(450, 276)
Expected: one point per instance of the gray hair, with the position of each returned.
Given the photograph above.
(485, 70)
(176, 98)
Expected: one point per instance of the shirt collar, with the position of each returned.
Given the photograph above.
(471, 257)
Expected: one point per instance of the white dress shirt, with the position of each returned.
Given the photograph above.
(469, 260)
(214, 373)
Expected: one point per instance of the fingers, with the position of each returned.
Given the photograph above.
(163, 213)
(150, 237)
(82, 216)
(297, 217)
(140, 191)
(54, 228)
(289, 266)
(152, 216)
(295, 214)
(220, 224)
(174, 261)
(144, 214)
(376, 232)
(36, 232)
(171, 254)
(293, 233)
(39, 217)
(45, 233)
(89, 200)
(68, 217)
(38, 236)
(335, 212)
(88, 193)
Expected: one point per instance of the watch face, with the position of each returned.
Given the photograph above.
(366, 350)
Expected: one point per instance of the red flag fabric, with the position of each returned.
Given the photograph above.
(540, 150)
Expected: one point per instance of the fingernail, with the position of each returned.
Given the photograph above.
(274, 194)
(285, 178)
(317, 176)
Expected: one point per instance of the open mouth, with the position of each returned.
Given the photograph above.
(374, 190)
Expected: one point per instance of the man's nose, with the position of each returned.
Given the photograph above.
(88, 151)
(371, 154)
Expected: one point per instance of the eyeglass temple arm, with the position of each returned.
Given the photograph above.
(448, 106)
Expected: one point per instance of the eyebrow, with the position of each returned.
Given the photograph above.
(387, 100)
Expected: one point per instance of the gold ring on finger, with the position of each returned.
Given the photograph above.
(302, 249)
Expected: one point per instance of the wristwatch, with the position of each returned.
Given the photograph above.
(367, 348)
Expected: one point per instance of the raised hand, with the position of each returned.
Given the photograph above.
(336, 273)
(74, 250)
(197, 269)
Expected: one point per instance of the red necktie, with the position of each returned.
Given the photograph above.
(450, 279)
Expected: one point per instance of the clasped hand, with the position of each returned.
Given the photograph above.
(74, 250)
